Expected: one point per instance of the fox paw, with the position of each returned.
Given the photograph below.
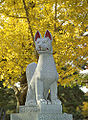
(42, 101)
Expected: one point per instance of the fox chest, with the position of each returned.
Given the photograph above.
(46, 73)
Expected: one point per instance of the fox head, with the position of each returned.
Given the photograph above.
(43, 45)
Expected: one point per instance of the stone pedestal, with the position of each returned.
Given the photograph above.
(41, 112)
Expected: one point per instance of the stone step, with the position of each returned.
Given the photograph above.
(40, 116)
(44, 108)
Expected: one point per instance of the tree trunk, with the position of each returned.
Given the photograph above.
(55, 15)
(30, 29)
(17, 93)
(18, 104)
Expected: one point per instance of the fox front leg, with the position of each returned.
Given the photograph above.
(39, 92)
(30, 98)
(53, 93)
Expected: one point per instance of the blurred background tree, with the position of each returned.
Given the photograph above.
(7, 100)
(20, 19)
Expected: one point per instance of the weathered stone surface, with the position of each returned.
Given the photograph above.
(25, 116)
(31, 108)
(50, 108)
(42, 112)
(40, 116)
(43, 76)
(42, 108)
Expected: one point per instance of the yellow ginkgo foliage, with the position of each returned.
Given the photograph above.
(67, 22)
(85, 109)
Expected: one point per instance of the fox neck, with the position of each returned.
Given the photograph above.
(45, 58)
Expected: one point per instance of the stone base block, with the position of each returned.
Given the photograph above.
(41, 112)
(50, 108)
(40, 116)
(43, 108)
(24, 116)
(31, 108)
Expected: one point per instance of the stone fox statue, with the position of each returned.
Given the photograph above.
(42, 76)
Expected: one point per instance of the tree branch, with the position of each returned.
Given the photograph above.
(16, 16)
(27, 15)
(55, 15)
(17, 93)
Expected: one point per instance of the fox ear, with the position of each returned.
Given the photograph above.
(48, 34)
(37, 35)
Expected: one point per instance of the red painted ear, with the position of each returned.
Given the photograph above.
(47, 34)
(37, 35)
